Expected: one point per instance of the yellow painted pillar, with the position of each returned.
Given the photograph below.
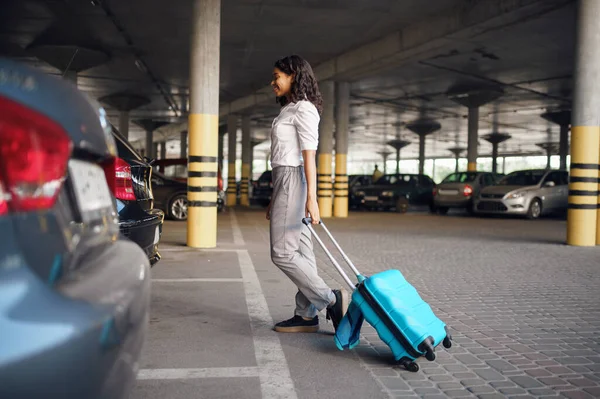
(203, 124)
(472, 167)
(232, 121)
(340, 204)
(324, 166)
(582, 219)
(340, 193)
(325, 185)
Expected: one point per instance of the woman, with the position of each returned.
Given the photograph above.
(294, 140)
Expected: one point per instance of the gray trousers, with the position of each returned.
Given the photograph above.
(291, 244)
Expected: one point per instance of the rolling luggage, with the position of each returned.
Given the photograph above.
(402, 319)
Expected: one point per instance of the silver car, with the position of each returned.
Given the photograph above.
(530, 193)
(459, 189)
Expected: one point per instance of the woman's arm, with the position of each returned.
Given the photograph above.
(310, 169)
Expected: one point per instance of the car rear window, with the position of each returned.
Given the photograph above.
(464, 177)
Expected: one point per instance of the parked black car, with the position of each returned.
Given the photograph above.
(170, 195)
(262, 189)
(355, 184)
(130, 179)
(398, 191)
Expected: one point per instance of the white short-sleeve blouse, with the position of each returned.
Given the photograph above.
(294, 130)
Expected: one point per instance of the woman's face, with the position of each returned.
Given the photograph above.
(281, 83)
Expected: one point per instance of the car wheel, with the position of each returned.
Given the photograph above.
(443, 210)
(178, 207)
(402, 205)
(535, 209)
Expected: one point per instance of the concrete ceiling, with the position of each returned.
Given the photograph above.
(400, 56)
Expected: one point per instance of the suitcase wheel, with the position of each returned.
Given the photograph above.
(447, 342)
(409, 365)
(430, 355)
(427, 347)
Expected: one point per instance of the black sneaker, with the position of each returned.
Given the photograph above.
(336, 312)
(297, 324)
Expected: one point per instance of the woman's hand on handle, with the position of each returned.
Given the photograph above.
(312, 210)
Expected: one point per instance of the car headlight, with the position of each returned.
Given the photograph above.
(387, 194)
(515, 196)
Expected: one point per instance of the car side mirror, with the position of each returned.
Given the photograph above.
(549, 184)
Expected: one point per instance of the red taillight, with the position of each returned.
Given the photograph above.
(118, 176)
(467, 191)
(435, 191)
(34, 153)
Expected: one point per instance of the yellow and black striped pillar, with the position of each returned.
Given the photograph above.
(340, 193)
(203, 125)
(232, 122)
(324, 169)
(246, 170)
(325, 185)
(582, 219)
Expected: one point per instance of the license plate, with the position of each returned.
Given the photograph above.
(371, 198)
(91, 189)
(448, 192)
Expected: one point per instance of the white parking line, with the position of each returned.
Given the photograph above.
(211, 372)
(238, 238)
(197, 280)
(275, 378)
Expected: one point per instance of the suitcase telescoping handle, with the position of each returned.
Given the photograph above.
(308, 222)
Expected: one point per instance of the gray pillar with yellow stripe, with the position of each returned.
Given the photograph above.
(203, 124)
(324, 166)
(232, 124)
(583, 223)
(342, 116)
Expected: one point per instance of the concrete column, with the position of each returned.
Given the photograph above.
(183, 144)
(385, 155)
(246, 150)
(398, 145)
(163, 150)
(220, 150)
(324, 169)
(421, 153)
(456, 151)
(495, 139)
(155, 150)
(124, 123)
(342, 119)
(583, 223)
(472, 139)
(149, 144)
(423, 128)
(563, 119)
(232, 122)
(563, 150)
(204, 123)
(473, 98)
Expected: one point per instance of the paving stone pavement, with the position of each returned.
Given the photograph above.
(523, 308)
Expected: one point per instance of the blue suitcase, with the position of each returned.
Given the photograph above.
(402, 319)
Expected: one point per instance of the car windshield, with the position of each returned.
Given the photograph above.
(523, 178)
(464, 177)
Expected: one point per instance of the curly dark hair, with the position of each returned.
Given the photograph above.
(304, 85)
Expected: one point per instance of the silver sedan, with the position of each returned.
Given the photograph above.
(530, 193)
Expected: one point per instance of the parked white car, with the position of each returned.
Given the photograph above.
(530, 193)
